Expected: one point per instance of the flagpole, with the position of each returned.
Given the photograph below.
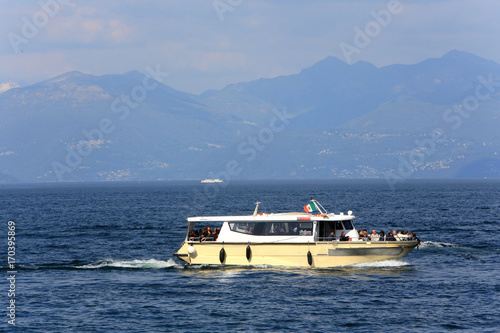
(321, 209)
(256, 208)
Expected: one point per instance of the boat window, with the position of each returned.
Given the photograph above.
(325, 228)
(305, 228)
(279, 228)
(272, 228)
(348, 225)
(338, 225)
(244, 227)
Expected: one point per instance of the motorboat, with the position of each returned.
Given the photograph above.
(314, 238)
(210, 181)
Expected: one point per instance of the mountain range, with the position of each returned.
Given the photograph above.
(439, 118)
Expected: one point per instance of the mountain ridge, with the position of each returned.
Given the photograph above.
(352, 120)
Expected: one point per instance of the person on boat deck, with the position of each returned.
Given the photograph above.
(212, 235)
(193, 235)
(406, 235)
(381, 236)
(374, 235)
(393, 234)
(390, 237)
(343, 237)
(330, 237)
(413, 236)
(361, 234)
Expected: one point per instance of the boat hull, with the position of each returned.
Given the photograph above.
(318, 254)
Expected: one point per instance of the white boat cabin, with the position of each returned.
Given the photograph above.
(281, 227)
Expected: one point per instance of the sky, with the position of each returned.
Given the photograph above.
(208, 44)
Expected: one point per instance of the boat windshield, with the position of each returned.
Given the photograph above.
(348, 225)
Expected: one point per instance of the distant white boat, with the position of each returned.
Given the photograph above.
(212, 181)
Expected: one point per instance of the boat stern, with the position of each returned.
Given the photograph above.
(183, 253)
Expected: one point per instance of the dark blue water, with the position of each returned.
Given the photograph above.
(98, 258)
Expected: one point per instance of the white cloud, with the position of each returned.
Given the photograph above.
(86, 27)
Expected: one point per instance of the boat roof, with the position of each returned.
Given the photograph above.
(278, 217)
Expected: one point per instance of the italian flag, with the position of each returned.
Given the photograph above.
(311, 207)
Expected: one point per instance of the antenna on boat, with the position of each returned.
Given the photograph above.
(256, 208)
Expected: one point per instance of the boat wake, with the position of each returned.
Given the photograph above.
(137, 263)
(431, 244)
(382, 264)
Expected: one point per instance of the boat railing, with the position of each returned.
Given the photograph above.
(201, 239)
(363, 240)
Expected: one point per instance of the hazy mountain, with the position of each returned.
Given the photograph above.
(5, 86)
(332, 92)
(437, 118)
(80, 122)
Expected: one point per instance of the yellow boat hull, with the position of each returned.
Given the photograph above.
(318, 254)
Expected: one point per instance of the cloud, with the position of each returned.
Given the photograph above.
(88, 27)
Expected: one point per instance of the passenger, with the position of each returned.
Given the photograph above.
(406, 236)
(330, 237)
(418, 240)
(381, 236)
(192, 235)
(413, 236)
(400, 236)
(210, 237)
(204, 233)
(344, 238)
(390, 237)
(374, 235)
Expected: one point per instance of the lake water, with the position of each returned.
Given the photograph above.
(99, 258)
